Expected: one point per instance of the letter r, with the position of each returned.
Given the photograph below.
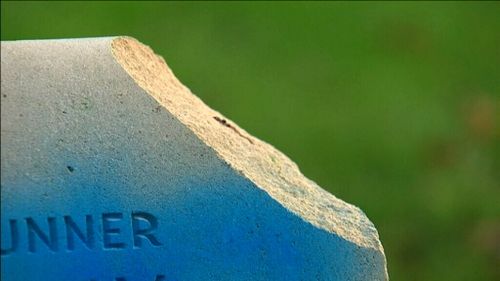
(145, 232)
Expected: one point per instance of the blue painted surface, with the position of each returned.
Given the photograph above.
(213, 224)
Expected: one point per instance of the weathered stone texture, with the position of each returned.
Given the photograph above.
(111, 168)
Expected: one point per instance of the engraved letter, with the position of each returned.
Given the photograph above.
(108, 230)
(72, 228)
(49, 240)
(144, 233)
(160, 277)
(14, 239)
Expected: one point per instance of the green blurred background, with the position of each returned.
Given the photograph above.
(393, 107)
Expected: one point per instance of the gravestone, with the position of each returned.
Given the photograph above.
(111, 169)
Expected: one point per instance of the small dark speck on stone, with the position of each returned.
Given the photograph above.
(64, 112)
(70, 169)
(4, 95)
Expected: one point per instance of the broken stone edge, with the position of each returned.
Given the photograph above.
(254, 159)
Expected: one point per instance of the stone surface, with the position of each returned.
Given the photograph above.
(113, 170)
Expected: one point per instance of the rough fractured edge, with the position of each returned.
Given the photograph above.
(260, 162)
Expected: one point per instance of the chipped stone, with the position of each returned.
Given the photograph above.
(113, 170)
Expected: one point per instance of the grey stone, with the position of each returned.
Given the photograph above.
(113, 170)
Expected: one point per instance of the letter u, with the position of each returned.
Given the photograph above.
(14, 239)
